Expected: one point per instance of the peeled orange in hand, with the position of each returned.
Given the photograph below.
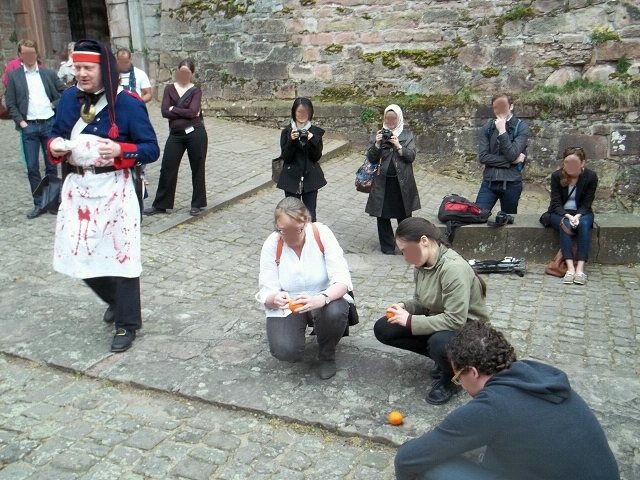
(293, 307)
(395, 418)
(390, 314)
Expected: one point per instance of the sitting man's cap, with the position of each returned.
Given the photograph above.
(92, 51)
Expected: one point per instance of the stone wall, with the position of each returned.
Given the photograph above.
(447, 141)
(288, 48)
(8, 49)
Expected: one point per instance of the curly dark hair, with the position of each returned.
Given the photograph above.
(477, 344)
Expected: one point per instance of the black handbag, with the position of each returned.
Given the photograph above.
(276, 169)
(545, 219)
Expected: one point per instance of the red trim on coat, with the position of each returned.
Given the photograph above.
(122, 162)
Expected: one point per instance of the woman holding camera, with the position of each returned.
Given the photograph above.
(181, 104)
(573, 189)
(447, 294)
(301, 149)
(394, 193)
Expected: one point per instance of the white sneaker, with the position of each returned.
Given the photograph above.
(568, 278)
(580, 278)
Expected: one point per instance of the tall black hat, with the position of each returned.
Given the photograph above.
(97, 52)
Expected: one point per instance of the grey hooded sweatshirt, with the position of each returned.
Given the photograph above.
(534, 425)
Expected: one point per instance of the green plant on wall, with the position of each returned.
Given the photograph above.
(367, 115)
(366, 96)
(555, 64)
(13, 38)
(602, 34)
(519, 12)
(580, 94)
(490, 72)
(225, 77)
(622, 65)
(421, 58)
(194, 9)
(334, 48)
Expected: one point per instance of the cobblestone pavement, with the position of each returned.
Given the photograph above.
(204, 338)
(57, 426)
(238, 161)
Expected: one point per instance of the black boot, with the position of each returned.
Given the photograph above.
(110, 314)
(442, 392)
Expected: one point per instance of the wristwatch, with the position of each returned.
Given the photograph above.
(327, 300)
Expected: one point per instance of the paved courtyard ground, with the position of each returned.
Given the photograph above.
(199, 396)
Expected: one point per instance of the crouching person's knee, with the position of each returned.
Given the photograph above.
(286, 353)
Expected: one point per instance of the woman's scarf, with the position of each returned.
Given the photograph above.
(294, 126)
(398, 111)
(132, 80)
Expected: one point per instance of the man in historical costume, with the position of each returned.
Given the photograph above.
(102, 131)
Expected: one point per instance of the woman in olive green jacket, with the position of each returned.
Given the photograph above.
(448, 293)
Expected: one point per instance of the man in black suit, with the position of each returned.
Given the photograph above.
(32, 95)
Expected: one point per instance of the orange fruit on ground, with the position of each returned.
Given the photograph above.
(390, 314)
(293, 307)
(395, 418)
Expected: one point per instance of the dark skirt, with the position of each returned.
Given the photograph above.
(392, 206)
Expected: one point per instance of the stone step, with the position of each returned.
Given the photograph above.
(252, 184)
(615, 240)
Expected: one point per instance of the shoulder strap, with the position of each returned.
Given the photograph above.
(515, 130)
(280, 245)
(184, 96)
(316, 234)
(279, 248)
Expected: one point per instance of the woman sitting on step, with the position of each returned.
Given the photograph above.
(573, 189)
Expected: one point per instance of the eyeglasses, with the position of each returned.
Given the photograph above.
(575, 148)
(455, 378)
(290, 231)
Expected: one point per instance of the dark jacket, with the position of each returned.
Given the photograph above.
(187, 114)
(585, 192)
(496, 152)
(404, 170)
(17, 95)
(301, 162)
(535, 427)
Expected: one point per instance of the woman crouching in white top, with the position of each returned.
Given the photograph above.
(294, 267)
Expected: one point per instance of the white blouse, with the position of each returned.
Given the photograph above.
(310, 274)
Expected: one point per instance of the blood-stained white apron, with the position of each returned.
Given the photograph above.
(98, 225)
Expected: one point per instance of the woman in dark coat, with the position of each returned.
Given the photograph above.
(394, 193)
(573, 189)
(301, 149)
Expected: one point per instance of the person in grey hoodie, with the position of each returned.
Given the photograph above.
(533, 424)
(502, 151)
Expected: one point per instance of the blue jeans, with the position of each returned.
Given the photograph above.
(583, 236)
(34, 139)
(508, 193)
(457, 468)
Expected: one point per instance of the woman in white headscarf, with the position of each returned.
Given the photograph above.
(394, 193)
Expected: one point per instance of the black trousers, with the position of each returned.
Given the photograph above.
(124, 294)
(309, 199)
(195, 143)
(385, 234)
(432, 346)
